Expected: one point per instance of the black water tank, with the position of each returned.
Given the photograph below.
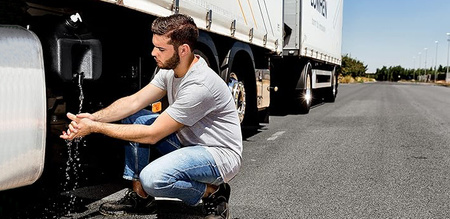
(70, 48)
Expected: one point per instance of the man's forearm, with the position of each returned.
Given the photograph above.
(134, 133)
(118, 110)
(129, 105)
(163, 126)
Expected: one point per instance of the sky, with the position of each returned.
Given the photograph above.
(393, 32)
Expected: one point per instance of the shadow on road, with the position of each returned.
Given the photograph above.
(166, 209)
(290, 110)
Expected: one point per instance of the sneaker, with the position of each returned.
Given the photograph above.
(130, 203)
(216, 205)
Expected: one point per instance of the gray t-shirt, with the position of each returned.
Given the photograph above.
(203, 103)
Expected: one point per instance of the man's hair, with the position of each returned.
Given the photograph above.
(180, 28)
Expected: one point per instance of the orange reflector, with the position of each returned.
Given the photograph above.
(157, 107)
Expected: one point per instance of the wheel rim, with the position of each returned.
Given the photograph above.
(238, 91)
(308, 93)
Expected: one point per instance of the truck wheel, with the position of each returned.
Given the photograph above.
(238, 91)
(330, 93)
(306, 97)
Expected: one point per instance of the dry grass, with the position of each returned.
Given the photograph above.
(443, 83)
(349, 79)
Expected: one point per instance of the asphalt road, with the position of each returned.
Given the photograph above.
(382, 150)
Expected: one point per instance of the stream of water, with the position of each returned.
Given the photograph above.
(73, 164)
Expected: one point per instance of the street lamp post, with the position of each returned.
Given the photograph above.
(447, 79)
(420, 59)
(435, 63)
(425, 75)
(414, 72)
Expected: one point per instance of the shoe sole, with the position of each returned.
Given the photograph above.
(120, 213)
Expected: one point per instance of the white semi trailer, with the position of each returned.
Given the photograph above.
(306, 70)
(273, 55)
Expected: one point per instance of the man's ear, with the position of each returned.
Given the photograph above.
(184, 49)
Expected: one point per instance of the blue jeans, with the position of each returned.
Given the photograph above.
(181, 172)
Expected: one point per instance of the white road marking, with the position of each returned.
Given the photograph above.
(276, 135)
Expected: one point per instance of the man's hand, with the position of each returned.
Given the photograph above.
(80, 126)
(87, 115)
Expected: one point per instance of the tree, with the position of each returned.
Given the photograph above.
(382, 74)
(441, 68)
(395, 73)
(352, 67)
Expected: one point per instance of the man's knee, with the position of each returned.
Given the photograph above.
(155, 182)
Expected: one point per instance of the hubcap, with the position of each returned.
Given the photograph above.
(238, 91)
(308, 95)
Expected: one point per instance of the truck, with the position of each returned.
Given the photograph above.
(59, 56)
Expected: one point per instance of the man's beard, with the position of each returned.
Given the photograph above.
(171, 63)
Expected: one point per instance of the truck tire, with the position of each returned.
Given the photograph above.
(330, 93)
(238, 72)
(304, 99)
